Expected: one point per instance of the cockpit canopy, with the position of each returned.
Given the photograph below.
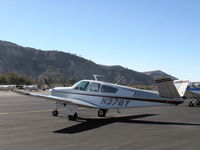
(81, 85)
(94, 87)
(194, 84)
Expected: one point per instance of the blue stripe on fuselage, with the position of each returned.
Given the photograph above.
(193, 89)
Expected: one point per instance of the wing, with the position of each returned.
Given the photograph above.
(60, 99)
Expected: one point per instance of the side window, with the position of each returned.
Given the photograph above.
(94, 87)
(108, 89)
(82, 85)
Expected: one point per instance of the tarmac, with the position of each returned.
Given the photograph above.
(26, 123)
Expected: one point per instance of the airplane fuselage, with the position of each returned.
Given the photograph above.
(108, 96)
(194, 90)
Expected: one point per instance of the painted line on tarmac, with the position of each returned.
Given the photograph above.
(14, 113)
(28, 112)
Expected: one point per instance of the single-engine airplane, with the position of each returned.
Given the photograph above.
(105, 96)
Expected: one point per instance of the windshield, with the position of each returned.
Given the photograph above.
(81, 85)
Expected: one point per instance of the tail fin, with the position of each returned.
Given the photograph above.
(167, 88)
(181, 86)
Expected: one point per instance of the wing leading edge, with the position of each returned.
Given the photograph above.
(63, 100)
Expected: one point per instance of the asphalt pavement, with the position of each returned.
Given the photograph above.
(26, 123)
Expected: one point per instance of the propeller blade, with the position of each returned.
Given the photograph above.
(48, 83)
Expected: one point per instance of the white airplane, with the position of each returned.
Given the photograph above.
(31, 87)
(105, 96)
(7, 87)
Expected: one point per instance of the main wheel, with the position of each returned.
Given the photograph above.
(102, 112)
(198, 102)
(73, 117)
(55, 113)
(191, 104)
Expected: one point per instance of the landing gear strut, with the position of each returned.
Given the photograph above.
(55, 111)
(191, 104)
(73, 117)
(194, 103)
(72, 112)
(102, 112)
(198, 102)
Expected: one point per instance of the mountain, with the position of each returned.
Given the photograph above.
(57, 64)
(160, 74)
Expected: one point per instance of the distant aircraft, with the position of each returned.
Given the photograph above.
(193, 92)
(30, 87)
(105, 96)
(7, 87)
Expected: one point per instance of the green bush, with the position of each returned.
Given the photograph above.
(15, 78)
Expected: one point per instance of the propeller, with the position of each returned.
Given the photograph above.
(49, 86)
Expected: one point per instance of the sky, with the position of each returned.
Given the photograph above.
(141, 35)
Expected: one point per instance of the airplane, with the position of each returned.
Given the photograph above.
(104, 96)
(193, 92)
(31, 87)
(7, 87)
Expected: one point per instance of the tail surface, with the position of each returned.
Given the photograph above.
(181, 86)
(167, 88)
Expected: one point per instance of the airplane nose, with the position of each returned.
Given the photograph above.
(51, 90)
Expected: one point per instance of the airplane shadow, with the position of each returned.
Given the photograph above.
(90, 123)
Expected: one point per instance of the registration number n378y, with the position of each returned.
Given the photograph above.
(115, 101)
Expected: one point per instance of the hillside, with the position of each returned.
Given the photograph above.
(160, 74)
(57, 64)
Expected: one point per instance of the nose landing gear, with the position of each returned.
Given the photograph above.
(55, 113)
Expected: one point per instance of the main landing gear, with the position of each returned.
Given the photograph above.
(73, 117)
(196, 103)
(70, 117)
(102, 112)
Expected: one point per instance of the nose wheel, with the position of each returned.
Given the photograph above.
(55, 113)
(102, 112)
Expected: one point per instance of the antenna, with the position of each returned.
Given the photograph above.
(95, 77)
(119, 80)
(49, 86)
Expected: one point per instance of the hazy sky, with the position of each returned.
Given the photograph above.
(142, 35)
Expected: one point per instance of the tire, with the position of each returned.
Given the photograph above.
(198, 102)
(191, 104)
(55, 113)
(102, 112)
(73, 117)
